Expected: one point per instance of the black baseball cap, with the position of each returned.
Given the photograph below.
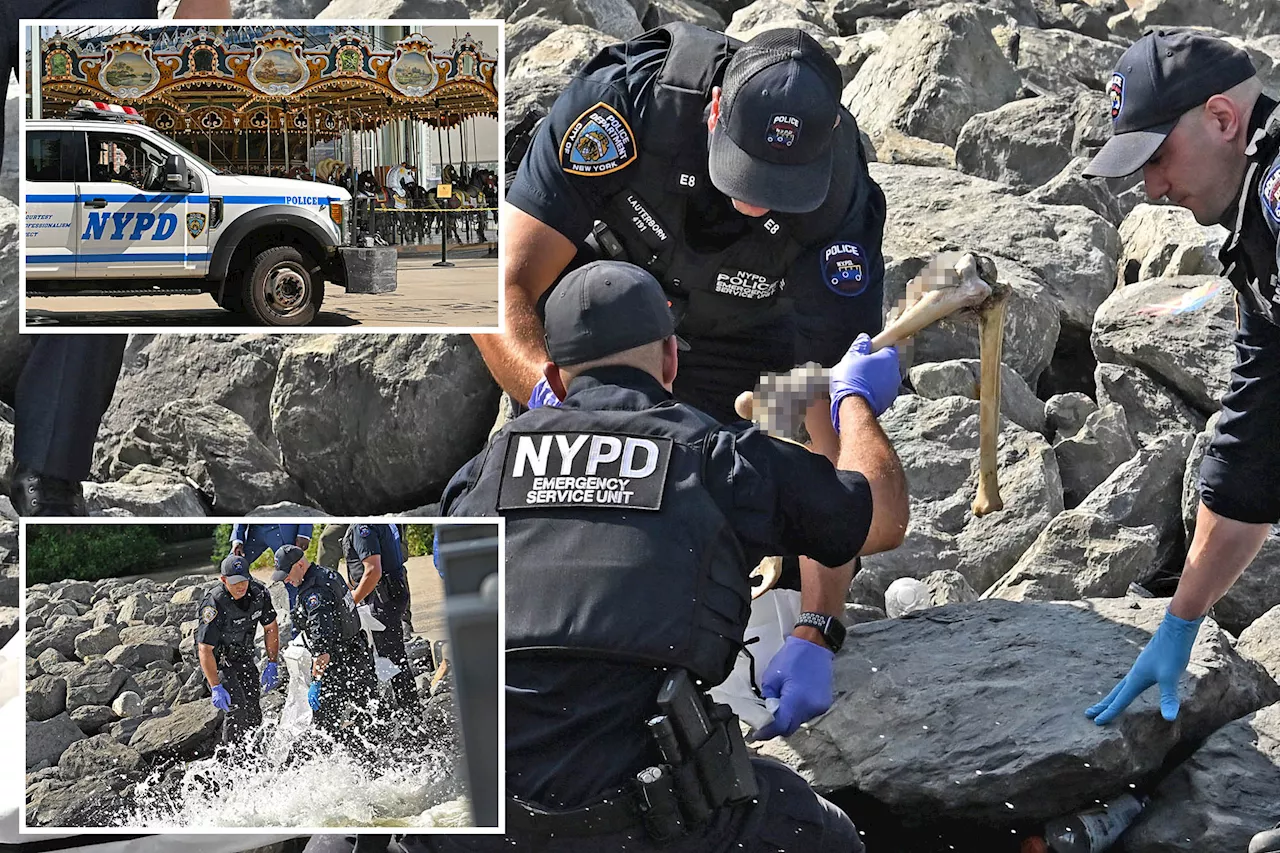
(286, 557)
(602, 308)
(235, 569)
(1160, 77)
(779, 102)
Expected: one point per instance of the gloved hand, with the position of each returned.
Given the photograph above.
(221, 698)
(1162, 662)
(543, 395)
(800, 677)
(873, 376)
(270, 675)
(313, 695)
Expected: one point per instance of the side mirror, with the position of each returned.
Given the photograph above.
(175, 173)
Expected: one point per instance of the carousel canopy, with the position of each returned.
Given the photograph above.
(226, 80)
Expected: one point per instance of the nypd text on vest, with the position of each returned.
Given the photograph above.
(584, 470)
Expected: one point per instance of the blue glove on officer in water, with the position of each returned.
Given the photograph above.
(800, 677)
(313, 695)
(1162, 662)
(873, 376)
(270, 675)
(543, 395)
(221, 698)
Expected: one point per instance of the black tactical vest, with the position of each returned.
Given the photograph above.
(239, 626)
(1249, 256)
(741, 286)
(331, 585)
(615, 549)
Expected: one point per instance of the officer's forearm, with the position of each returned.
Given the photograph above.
(369, 580)
(822, 590)
(271, 639)
(865, 448)
(1220, 552)
(208, 665)
(822, 435)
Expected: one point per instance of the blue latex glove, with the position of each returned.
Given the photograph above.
(543, 395)
(873, 376)
(270, 675)
(221, 698)
(1162, 662)
(313, 695)
(800, 677)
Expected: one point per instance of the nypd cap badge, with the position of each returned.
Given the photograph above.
(1115, 92)
(597, 142)
(844, 268)
(783, 131)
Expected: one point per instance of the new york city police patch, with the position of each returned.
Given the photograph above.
(582, 469)
(195, 224)
(313, 600)
(1269, 195)
(598, 142)
(844, 268)
(208, 613)
(1115, 92)
(363, 531)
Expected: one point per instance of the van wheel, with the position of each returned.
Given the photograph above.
(280, 288)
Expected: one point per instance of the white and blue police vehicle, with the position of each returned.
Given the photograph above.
(114, 207)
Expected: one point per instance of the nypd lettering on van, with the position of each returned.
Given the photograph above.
(580, 469)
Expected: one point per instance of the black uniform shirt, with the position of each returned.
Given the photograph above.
(225, 621)
(317, 610)
(367, 540)
(575, 728)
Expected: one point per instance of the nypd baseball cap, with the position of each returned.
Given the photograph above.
(286, 557)
(235, 569)
(772, 145)
(602, 308)
(1161, 76)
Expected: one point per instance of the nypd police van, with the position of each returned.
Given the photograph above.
(114, 207)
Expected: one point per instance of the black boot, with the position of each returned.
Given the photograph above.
(1266, 842)
(35, 494)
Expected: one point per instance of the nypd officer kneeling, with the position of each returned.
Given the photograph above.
(632, 523)
(229, 618)
(375, 568)
(342, 666)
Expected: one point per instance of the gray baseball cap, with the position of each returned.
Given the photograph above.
(286, 557)
(1160, 77)
(235, 569)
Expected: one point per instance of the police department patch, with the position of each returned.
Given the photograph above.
(844, 268)
(1115, 92)
(1269, 195)
(208, 613)
(364, 531)
(783, 131)
(313, 600)
(598, 142)
(195, 224)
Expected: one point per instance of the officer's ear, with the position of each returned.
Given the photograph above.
(555, 380)
(670, 361)
(713, 117)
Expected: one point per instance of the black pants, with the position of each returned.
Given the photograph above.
(389, 644)
(349, 679)
(240, 677)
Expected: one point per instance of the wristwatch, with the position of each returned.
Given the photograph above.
(832, 628)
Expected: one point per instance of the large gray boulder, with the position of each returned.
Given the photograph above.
(959, 728)
(1150, 409)
(156, 500)
(526, 33)
(59, 633)
(134, 607)
(1023, 143)
(1260, 642)
(95, 683)
(851, 14)
(1165, 240)
(1070, 186)
(83, 802)
(100, 757)
(960, 377)
(97, 641)
(1065, 62)
(48, 739)
(1092, 454)
(615, 18)
(420, 405)
(186, 732)
(1220, 796)
(46, 697)
(1179, 330)
(1248, 18)
(761, 15)
(384, 10)
(566, 51)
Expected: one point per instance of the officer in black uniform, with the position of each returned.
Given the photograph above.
(229, 619)
(342, 663)
(632, 522)
(1188, 110)
(376, 570)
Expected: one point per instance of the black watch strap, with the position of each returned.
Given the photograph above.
(832, 628)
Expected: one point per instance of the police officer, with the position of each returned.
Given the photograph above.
(632, 522)
(376, 569)
(329, 553)
(342, 667)
(1188, 111)
(252, 540)
(229, 619)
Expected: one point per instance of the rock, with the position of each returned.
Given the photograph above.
(948, 587)
(1086, 20)
(127, 704)
(959, 729)
(762, 15)
(383, 10)
(1022, 144)
(1150, 409)
(216, 448)
(1125, 531)
(937, 443)
(1179, 330)
(525, 33)
(960, 378)
(97, 641)
(8, 624)
(173, 500)
(46, 697)
(93, 718)
(1062, 62)
(1164, 240)
(80, 592)
(614, 18)
(857, 614)
(277, 9)
(937, 70)
(159, 687)
(48, 739)
(60, 633)
(1064, 414)
(1092, 454)
(9, 583)
(893, 146)
(532, 96)
(1248, 18)
(852, 13)
(9, 168)
(188, 731)
(52, 802)
(135, 607)
(852, 52)
(138, 654)
(160, 634)
(95, 683)
(1260, 642)
(662, 12)
(1070, 186)
(6, 466)
(194, 689)
(566, 51)
(430, 403)
(101, 757)
(1220, 796)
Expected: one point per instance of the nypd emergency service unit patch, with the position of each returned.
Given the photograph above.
(582, 469)
(1269, 195)
(208, 613)
(844, 268)
(783, 131)
(195, 224)
(598, 142)
(1115, 92)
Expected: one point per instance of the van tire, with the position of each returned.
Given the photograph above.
(281, 288)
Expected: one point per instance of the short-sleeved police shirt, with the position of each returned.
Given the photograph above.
(215, 621)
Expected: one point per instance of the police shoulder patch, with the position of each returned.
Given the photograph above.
(364, 531)
(313, 600)
(1269, 195)
(581, 469)
(208, 613)
(844, 268)
(1115, 93)
(597, 142)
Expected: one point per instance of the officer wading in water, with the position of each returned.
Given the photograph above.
(342, 666)
(377, 572)
(1189, 112)
(632, 523)
(229, 619)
